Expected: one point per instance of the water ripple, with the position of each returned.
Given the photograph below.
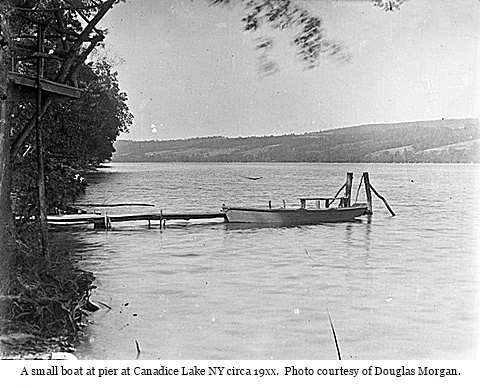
(396, 287)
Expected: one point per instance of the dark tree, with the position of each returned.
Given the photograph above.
(71, 34)
(6, 218)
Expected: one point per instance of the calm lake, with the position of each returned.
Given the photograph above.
(403, 287)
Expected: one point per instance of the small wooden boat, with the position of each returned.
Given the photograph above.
(295, 216)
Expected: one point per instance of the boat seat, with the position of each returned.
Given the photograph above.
(328, 200)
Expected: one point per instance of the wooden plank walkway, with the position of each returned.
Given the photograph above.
(104, 221)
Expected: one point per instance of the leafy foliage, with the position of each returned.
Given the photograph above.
(87, 128)
(388, 5)
(79, 135)
(310, 37)
(47, 302)
(47, 299)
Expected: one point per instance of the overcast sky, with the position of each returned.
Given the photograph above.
(190, 70)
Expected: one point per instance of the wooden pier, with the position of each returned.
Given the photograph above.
(101, 221)
(104, 221)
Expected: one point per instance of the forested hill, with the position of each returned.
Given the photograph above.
(441, 141)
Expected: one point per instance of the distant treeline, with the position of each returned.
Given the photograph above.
(440, 141)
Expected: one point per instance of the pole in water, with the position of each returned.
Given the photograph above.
(334, 336)
(384, 201)
(368, 193)
(138, 349)
(348, 189)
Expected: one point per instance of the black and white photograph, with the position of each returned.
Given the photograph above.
(210, 188)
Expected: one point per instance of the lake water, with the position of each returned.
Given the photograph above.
(403, 287)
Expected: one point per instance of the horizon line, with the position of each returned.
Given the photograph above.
(305, 133)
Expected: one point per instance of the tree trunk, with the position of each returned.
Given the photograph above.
(7, 240)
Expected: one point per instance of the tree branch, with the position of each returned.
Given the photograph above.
(64, 72)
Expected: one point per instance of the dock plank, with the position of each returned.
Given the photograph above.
(98, 218)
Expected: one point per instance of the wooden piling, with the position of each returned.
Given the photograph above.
(368, 193)
(384, 200)
(348, 189)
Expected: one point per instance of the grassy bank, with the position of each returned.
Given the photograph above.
(46, 305)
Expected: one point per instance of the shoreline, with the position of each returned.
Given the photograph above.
(45, 310)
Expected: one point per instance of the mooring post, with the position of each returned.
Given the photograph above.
(108, 224)
(348, 189)
(368, 193)
(384, 201)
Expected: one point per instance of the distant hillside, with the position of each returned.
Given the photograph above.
(440, 141)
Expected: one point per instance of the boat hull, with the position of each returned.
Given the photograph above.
(293, 216)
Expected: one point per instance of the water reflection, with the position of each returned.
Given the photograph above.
(253, 226)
